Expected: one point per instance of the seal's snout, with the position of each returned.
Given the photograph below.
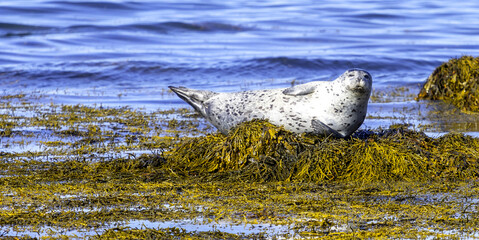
(357, 80)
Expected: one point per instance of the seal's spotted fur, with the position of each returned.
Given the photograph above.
(322, 107)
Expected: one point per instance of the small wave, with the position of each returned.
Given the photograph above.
(165, 27)
(379, 64)
(55, 76)
(9, 30)
(286, 61)
(100, 5)
(303, 66)
(376, 16)
(21, 30)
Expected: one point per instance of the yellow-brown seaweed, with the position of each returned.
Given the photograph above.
(121, 173)
(455, 82)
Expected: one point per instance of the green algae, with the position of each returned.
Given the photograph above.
(94, 170)
(455, 82)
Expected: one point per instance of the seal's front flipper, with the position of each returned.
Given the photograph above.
(298, 90)
(321, 128)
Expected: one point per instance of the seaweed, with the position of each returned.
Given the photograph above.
(76, 171)
(455, 82)
(260, 151)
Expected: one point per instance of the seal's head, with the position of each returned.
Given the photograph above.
(357, 81)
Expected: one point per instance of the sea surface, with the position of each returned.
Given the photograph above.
(122, 52)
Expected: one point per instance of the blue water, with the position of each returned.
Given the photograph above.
(127, 52)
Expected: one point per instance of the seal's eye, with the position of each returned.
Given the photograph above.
(367, 77)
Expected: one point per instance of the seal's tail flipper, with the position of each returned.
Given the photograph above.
(195, 98)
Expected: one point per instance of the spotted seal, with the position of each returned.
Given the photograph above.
(335, 107)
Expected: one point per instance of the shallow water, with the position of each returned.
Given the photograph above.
(120, 52)
(189, 225)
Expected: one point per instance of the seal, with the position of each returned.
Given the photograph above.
(335, 107)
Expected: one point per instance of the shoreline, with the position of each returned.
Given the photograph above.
(76, 167)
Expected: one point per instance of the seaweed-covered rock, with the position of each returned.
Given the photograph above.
(260, 151)
(455, 82)
(256, 145)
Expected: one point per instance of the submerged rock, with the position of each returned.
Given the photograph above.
(455, 82)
